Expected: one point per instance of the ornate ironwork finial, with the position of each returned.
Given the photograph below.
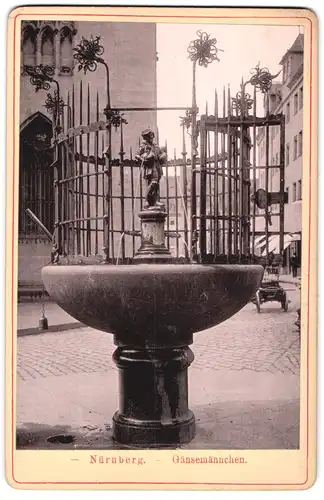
(203, 50)
(40, 76)
(54, 103)
(185, 121)
(87, 54)
(237, 103)
(262, 79)
(114, 117)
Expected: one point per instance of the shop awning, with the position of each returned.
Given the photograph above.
(274, 242)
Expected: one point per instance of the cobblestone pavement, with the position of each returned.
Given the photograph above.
(265, 342)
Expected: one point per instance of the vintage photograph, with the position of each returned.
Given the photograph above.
(160, 237)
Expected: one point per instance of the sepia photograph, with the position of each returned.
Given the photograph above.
(159, 238)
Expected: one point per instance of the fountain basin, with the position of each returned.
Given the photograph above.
(152, 310)
(152, 305)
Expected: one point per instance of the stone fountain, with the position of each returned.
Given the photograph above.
(152, 307)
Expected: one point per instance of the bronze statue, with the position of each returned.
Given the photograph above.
(152, 159)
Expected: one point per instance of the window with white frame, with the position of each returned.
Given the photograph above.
(284, 73)
(294, 195)
(288, 112)
(287, 154)
(301, 97)
(296, 103)
(300, 143)
(295, 147)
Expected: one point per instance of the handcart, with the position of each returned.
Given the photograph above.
(270, 289)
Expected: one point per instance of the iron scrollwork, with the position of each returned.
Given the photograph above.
(203, 50)
(261, 78)
(186, 121)
(194, 138)
(54, 103)
(40, 76)
(114, 117)
(237, 103)
(87, 54)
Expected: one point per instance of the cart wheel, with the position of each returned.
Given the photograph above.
(258, 302)
(284, 304)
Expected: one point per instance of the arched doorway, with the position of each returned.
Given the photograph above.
(35, 174)
(36, 192)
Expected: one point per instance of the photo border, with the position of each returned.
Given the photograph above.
(308, 20)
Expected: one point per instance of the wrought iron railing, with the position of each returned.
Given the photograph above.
(215, 194)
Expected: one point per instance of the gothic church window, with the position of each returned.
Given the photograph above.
(47, 48)
(66, 53)
(49, 43)
(29, 46)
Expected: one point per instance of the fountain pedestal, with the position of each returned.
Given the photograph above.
(153, 406)
(152, 247)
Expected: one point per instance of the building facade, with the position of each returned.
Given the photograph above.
(130, 52)
(287, 97)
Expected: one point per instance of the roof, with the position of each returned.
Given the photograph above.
(297, 47)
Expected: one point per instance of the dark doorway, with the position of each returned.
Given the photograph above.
(36, 175)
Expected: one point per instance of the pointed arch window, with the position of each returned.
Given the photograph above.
(29, 46)
(66, 53)
(47, 48)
